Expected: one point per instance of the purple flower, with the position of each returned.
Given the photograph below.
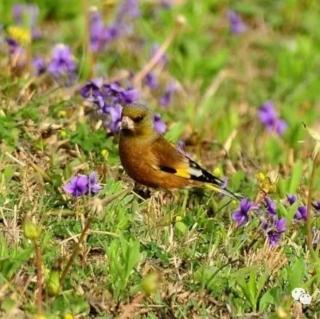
(114, 120)
(167, 96)
(18, 55)
(240, 216)
(62, 64)
(271, 206)
(277, 229)
(109, 98)
(301, 213)
(127, 11)
(77, 186)
(158, 124)
(316, 205)
(273, 237)
(100, 34)
(128, 8)
(129, 96)
(93, 184)
(280, 126)
(80, 185)
(237, 26)
(151, 80)
(13, 46)
(291, 199)
(39, 65)
(91, 90)
(166, 4)
(269, 118)
(281, 225)
(25, 14)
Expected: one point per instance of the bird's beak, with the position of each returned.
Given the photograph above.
(127, 123)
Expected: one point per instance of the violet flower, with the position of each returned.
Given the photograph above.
(165, 100)
(39, 65)
(272, 225)
(62, 65)
(270, 119)
(81, 185)
(18, 55)
(127, 9)
(109, 98)
(91, 90)
(271, 206)
(126, 12)
(240, 216)
(100, 34)
(302, 213)
(114, 121)
(151, 80)
(291, 199)
(77, 186)
(237, 26)
(129, 96)
(158, 124)
(93, 184)
(13, 46)
(278, 228)
(166, 4)
(27, 15)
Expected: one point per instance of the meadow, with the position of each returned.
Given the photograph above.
(234, 85)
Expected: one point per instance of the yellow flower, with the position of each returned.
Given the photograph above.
(21, 35)
(267, 183)
(217, 171)
(68, 316)
(105, 153)
(261, 177)
(63, 134)
(62, 113)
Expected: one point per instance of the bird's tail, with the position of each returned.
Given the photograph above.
(224, 191)
(197, 173)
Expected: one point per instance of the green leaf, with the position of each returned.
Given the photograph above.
(296, 272)
(288, 212)
(266, 300)
(175, 132)
(296, 177)
(123, 256)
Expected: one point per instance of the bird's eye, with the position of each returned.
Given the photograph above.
(137, 119)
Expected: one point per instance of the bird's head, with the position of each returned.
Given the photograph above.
(136, 121)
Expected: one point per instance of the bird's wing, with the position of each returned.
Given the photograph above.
(170, 160)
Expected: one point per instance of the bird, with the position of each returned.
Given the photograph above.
(149, 159)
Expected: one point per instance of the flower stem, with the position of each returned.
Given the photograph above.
(84, 233)
(155, 59)
(309, 204)
(38, 265)
(75, 249)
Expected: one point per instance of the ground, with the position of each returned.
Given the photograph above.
(236, 85)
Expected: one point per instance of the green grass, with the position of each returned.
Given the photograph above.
(164, 255)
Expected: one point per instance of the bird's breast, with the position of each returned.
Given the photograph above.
(137, 161)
